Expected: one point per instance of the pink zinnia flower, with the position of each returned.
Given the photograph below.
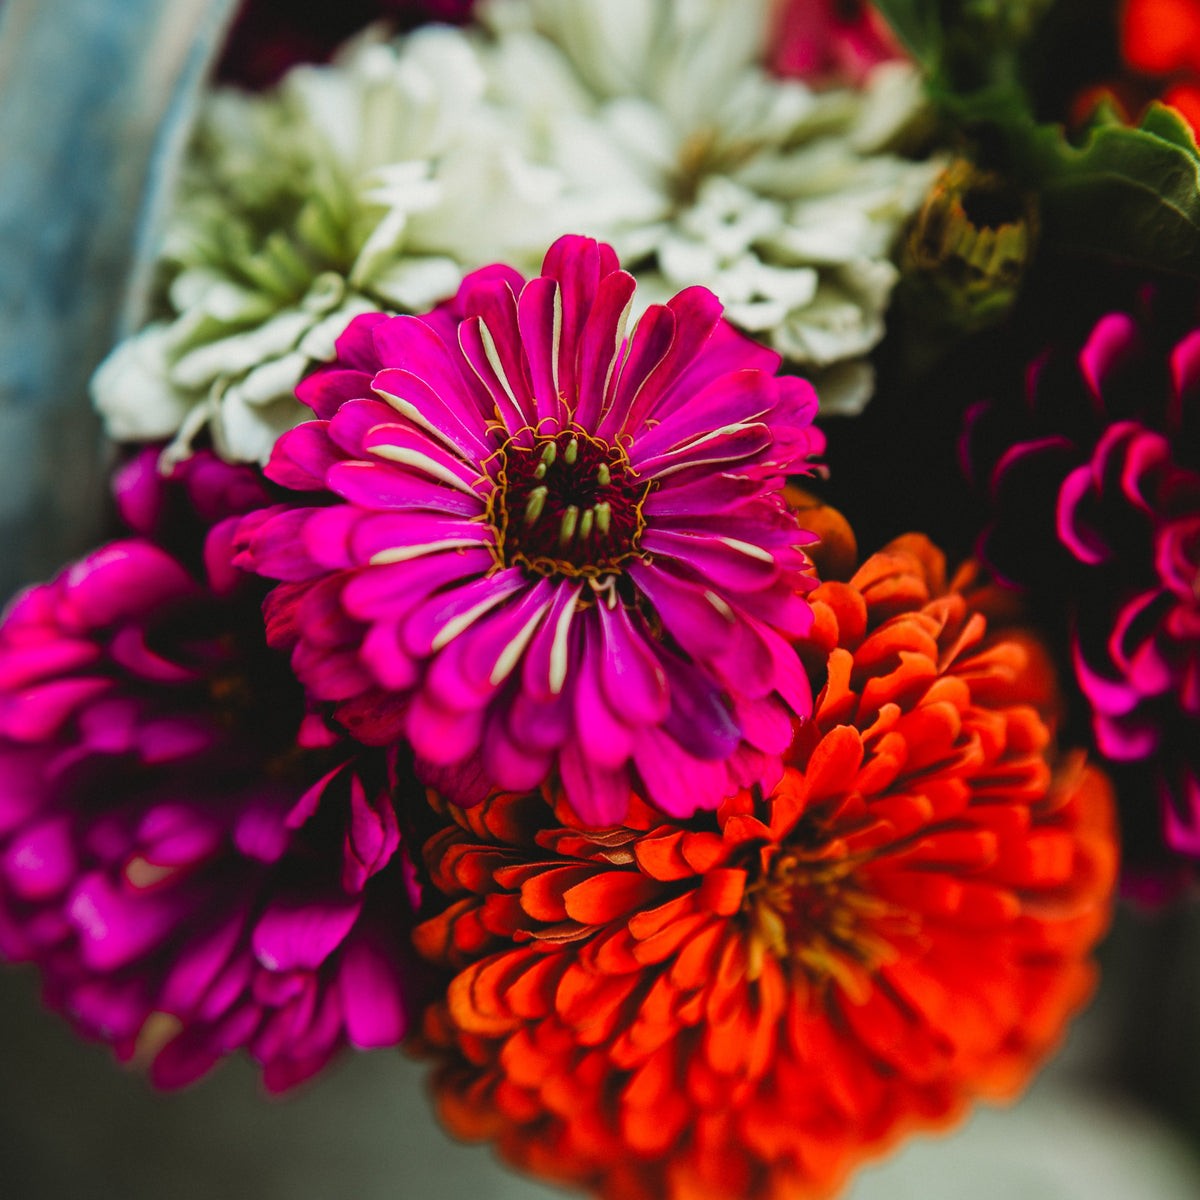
(194, 862)
(540, 545)
(831, 41)
(1095, 483)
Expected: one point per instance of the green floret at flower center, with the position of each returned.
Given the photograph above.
(567, 505)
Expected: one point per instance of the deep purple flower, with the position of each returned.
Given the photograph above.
(1095, 484)
(542, 547)
(195, 862)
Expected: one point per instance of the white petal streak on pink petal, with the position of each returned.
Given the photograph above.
(731, 443)
(410, 456)
(479, 349)
(539, 312)
(444, 617)
(415, 400)
(405, 553)
(507, 662)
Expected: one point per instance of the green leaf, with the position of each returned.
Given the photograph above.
(1128, 193)
(917, 23)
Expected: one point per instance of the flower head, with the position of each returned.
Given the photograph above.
(1162, 38)
(837, 41)
(1095, 488)
(676, 144)
(194, 862)
(540, 544)
(367, 184)
(749, 1003)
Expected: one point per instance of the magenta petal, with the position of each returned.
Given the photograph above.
(695, 616)
(303, 933)
(444, 616)
(123, 580)
(382, 486)
(1113, 337)
(349, 426)
(301, 457)
(603, 738)
(574, 263)
(325, 391)
(115, 928)
(551, 650)
(511, 397)
(356, 343)
(515, 767)
(410, 344)
(198, 965)
(277, 547)
(632, 676)
(390, 592)
(675, 781)
(600, 344)
(599, 796)
(733, 565)
(440, 735)
(539, 314)
(697, 312)
(448, 416)
(648, 345)
(739, 398)
(33, 714)
(23, 665)
(372, 1001)
(541, 725)
(716, 450)
(386, 659)
(40, 861)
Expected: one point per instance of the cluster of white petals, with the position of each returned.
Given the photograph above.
(699, 167)
(376, 182)
(371, 183)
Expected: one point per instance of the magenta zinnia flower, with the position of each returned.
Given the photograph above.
(831, 41)
(539, 545)
(1095, 481)
(194, 862)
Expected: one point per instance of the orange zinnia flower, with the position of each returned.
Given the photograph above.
(748, 1002)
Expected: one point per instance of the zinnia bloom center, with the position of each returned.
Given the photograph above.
(567, 505)
(809, 909)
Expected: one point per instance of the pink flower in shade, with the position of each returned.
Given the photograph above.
(538, 545)
(194, 862)
(831, 41)
(1095, 486)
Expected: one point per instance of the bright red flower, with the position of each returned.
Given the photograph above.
(1162, 38)
(747, 1003)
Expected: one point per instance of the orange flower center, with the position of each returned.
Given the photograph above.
(810, 908)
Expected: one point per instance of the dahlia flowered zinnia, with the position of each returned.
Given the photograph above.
(194, 863)
(746, 1004)
(1094, 479)
(540, 544)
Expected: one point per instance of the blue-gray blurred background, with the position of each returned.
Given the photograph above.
(95, 102)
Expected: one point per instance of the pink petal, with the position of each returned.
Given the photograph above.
(302, 933)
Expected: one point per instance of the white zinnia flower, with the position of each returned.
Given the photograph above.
(679, 148)
(369, 184)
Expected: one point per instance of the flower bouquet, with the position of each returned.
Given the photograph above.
(654, 563)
